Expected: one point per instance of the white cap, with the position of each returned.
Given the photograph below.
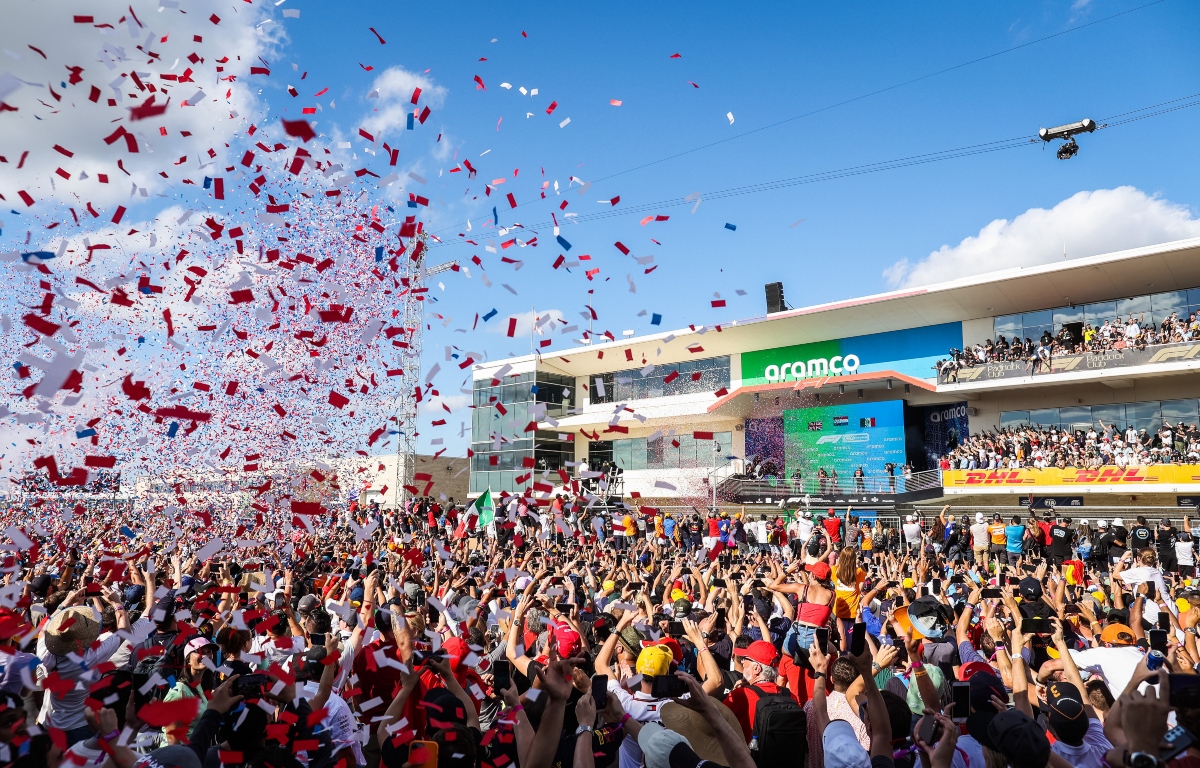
(1101, 523)
(1118, 522)
(1083, 522)
(979, 517)
(911, 519)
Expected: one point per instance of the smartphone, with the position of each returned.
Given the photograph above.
(667, 687)
(936, 586)
(992, 593)
(962, 702)
(719, 583)
(1035, 626)
(858, 639)
(501, 674)
(893, 584)
(747, 601)
(600, 691)
(564, 607)
(1179, 739)
(823, 640)
(1158, 640)
(1150, 590)
(317, 639)
(929, 730)
(250, 686)
(958, 579)
(423, 754)
(675, 628)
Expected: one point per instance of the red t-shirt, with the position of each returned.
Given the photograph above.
(714, 527)
(834, 526)
(743, 702)
(799, 682)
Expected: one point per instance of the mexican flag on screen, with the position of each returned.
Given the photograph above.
(478, 515)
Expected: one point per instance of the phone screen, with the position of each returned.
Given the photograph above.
(823, 640)
(858, 639)
(667, 687)
(1158, 640)
(501, 675)
(936, 586)
(992, 593)
(600, 691)
(675, 628)
(962, 701)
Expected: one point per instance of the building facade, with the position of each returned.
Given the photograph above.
(791, 398)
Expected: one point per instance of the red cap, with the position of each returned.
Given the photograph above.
(761, 651)
(456, 650)
(820, 570)
(966, 670)
(567, 640)
(669, 642)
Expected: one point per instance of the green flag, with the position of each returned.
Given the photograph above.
(483, 507)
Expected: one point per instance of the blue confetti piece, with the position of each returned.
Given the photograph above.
(412, 203)
(490, 315)
(84, 433)
(378, 253)
(128, 532)
(495, 216)
(410, 121)
(207, 182)
(42, 255)
(563, 242)
(732, 227)
(174, 430)
(655, 319)
(533, 389)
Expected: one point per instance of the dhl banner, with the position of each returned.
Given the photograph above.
(1127, 478)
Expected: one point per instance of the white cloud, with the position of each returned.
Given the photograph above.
(1085, 224)
(51, 110)
(395, 86)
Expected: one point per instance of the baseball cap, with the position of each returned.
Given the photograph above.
(655, 660)
(761, 651)
(195, 644)
(1117, 634)
(979, 517)
(985, 685)
(841, 746)
(1019, 738)
(308, 603)
(1101, 523)
(657, 743)
(819, 570)
(930, 618)
(1031, 588)
(969, 670)
(567, 640)
(671, 644)
(1067, 716)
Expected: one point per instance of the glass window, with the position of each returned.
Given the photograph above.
(1097, 313)
(1143, 415)
(1012, 419)
(1176, 411)
(1035, 332)
(1044, 417)
(1065, 315)
(623, 453)
(1075, 417)
(1112, 415)
(640, 452)
(1041, 317)
(1136, 306)
(688, 448)
(1166, 303)
(1007, 325)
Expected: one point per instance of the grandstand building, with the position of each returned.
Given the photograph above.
(768, 409)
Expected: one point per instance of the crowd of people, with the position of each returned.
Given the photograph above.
(1037, 354)
(567, 635)
(1036, 447)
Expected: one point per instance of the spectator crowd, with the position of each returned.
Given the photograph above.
(1036, 447)
(563, 634)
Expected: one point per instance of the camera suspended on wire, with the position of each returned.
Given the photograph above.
(1069, 148)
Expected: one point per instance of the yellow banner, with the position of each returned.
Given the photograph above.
(1178, 474)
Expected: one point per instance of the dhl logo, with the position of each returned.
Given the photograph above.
(995, 477)
(1109, 475)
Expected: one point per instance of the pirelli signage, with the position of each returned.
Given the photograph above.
(1126, 477)
(1089, 361)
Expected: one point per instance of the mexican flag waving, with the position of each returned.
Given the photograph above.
(478, 515)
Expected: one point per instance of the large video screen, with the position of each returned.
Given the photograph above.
(843, 438)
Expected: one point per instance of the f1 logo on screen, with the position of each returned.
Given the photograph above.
(851, 437)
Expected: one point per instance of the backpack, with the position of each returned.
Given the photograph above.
(167, 662)
(780, 730)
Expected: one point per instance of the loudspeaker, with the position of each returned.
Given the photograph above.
(774, 298)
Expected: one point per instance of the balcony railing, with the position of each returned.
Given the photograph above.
(737, 488)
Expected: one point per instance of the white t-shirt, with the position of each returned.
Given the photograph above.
(1184, 554)
(1089, 754)
(912, 533)
(641, 707)
(979, 535)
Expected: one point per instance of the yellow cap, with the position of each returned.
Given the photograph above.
(678, 594)
(909, 583)
(609, 585)
(1183, 603)
(655, 660)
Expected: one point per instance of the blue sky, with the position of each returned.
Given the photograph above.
(762, 64)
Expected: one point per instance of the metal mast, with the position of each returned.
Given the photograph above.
(412, 312)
